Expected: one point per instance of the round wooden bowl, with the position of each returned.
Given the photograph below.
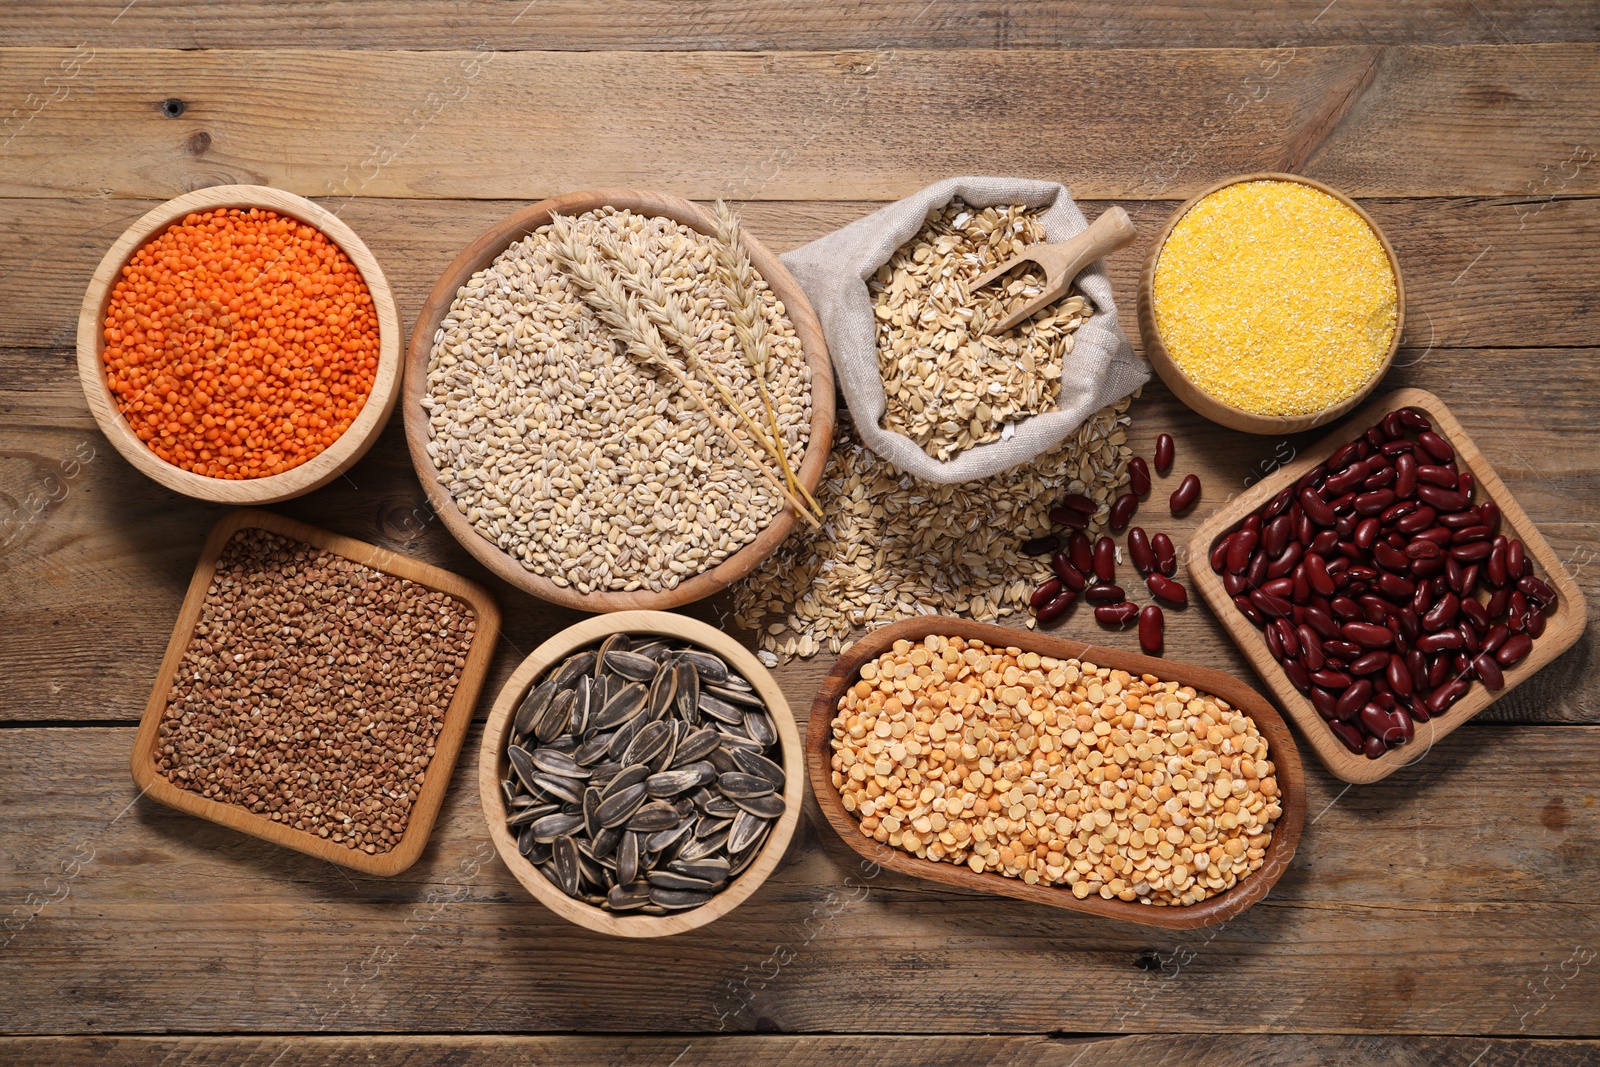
(480, 254)
(1204, 403)
(1220, 908)
(327, 464)
(493, 767)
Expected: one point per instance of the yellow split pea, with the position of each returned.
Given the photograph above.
(1054, 771)
(1275, 298)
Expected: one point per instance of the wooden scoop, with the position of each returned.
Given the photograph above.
(1063, 262)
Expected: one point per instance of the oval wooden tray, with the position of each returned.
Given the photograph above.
(1204, 403)
(456, 719)
(480, 254)
(493, 767)
(1225, 905)
(1563, 628)
(320, 469)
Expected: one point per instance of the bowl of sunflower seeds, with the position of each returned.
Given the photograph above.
(641, 774)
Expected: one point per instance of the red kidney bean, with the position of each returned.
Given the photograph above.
(1374, 436)
(1305, 530)
(1478, 550)
(1288, 637)
(1315, 508)
(1469, 578)
(1105, 559)
(1439, 641)
(1320, 621)
(1167, 589)
(1422, 599)
(1240, 548)
(1390, 424)
(1514, 651)
(1341, 504)
(1497, 635)
(1122, 510)
(1469, 637)
(1395, 587)
(1443, 477)
(1396, 448)
(1390, 559)
(1331, 679)
(1219, 553)
(1420, 549)
(1166, 554)
(1453, 573)
(1489, 673)
(1413, 419)
(1270, 605)
(1447, 694)
(1418, 520)
(1186, 494)
(1297, 675)
(1046, 592)
(1516, 560)
(1468, 534)
(1350, 701)
(1381, 478)
(1496, 566)
(1346, 480)
(1410, 625)
(1139, 550)
(1367, 634)
(1310, 647)
(1417, 667)
(1438, 670)
(1316, 571)
(1366, 532)
(1373, 503)
(1465, 484)
(1071, 518)
(1248, 610)
(1369, 662)
(1517, 624)
(1041, 546)
(1165, 452)
(1325, 702)
(1405, 476)
(1070, 576)
(1104, 594)
(1436, 446)
(1438, 537)
(1117, 615)
(1323, 542)
(1428, 568)
(1278, 504)
(1257, 572)
(1398, 677)
(1533, 626)
(1079, 502)
(1352, 737)
(1374, 720)
(1460, 519)
(1344, 575)
(1138, 475)
(1312, 478)
(1150, 627)
(1536, 590)
(1343, 455)
(1056, 608)
(1373, 747)
(1489, 512)
(1343, 651)
(1443, 613)
(1445, 500)
(1235, 584)
(1374, 610)
(1344, 609)
(1275, 535)
(1299, 588)
(1499, 601)
(1474, 611)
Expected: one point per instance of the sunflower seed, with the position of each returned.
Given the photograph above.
(535, 852)
(651, 741)
(742, 697)
(760, 728)
(678, 899)
(550, 827)
(617, 808)
(720, 710)
(509, 789)
(628, 897)
(558, 763)
(565, 853)
(572, 668)
(697, 848)
(604, 843)
(592, 873)
(738, 784)
(613, 643)
(675, 880)
(623, 735)
(707, 825)
(555, 718)
(568, 789)
(735, 680)
(663, 840)
(628, 857)
(747, 829)
(722, 757)
(656, 815)
(697, 746)
(710, 667)
(654, 649)
(631, 665)
(755, 763)
(671, 783)
(630, 775)
(522, 818)
(591, 810)
(533, 706)
(767, 806)
(713, 869)
(688, 701)
(522, 766)
(592, 750)
(720, 807)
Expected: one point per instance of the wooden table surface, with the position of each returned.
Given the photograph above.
(1449, 914)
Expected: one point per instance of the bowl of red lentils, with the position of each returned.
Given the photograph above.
(240, 344)
(1271, 303)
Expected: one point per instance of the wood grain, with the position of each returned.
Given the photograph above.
(493, 769)
(759, 25)
(1222, 907)
(486, 614)
(1402, 121)
(321, 468)
(798, 1050)
(1470, 873)
(87, 561)
(481, 253)
(1544, 254)
(1217, 410)
(1566, 622)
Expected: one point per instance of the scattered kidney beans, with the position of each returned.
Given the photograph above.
(1104, 594)
(1122, 510)
(1056, 607)
(1047, 591)
(1081, 553)
(1071, 518)
(1167, 589)
(1138, 475)
(1151, 624)
(1116, 614)
(1165, 452)
(1079, 502)
(1041, 546)
(1144, 557)
(1366, 574)
(1166, 554)
(1186, 494)
(1105, 559)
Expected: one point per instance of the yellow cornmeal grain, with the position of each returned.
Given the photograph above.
(1275, 297)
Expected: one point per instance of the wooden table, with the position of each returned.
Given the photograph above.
(1449, 914)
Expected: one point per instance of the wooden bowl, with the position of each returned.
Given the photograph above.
(327, 464)
(1204, 403)
(480, 254)
(457, 717)
(1223, 906)
(1563, 627)
(493, 767)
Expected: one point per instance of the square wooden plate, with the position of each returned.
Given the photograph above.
(456, 720)
(1562, 629)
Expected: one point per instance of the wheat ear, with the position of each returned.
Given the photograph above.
(620, 311)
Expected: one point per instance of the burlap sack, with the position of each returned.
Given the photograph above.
(834, 271)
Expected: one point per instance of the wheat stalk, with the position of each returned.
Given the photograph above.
(739, 283)
(666, 312)
(620, 311)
